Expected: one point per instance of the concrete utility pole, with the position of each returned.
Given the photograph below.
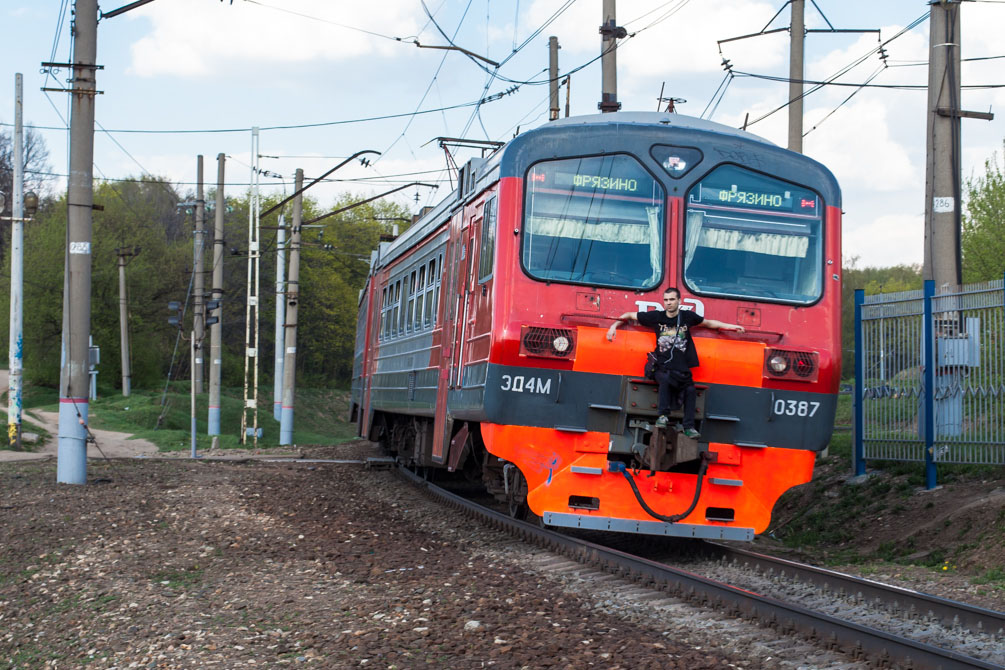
(71, 464)
(553, 77)
(797, 38)
(16, 342)
(610, 32)
(216, 330)
(124, 253)
(942, 173)
(198, 279)
(292, 306)
(277, 370)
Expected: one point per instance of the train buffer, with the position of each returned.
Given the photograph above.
(668, 447)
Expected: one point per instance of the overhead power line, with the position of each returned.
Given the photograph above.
(183, 131)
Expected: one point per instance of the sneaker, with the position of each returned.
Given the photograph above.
(692, 433)
(662, 422)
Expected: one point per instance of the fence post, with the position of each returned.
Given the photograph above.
(858, 448)
(928, 331)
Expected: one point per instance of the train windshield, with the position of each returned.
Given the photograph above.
(746, 234)
(596, 221)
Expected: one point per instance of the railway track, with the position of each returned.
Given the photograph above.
(881, 625)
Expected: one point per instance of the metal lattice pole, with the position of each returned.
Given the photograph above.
(251, 311)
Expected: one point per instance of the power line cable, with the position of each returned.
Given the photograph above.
(845, 101)
(831, 81)
(333, 23)
(297, 126)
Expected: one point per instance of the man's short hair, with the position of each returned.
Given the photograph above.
(672, 289)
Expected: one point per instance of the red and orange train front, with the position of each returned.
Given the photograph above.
(596, 217)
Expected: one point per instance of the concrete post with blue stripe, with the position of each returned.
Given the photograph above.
(858, 448)
(292, 307)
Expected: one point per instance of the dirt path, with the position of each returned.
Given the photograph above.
(109, 444)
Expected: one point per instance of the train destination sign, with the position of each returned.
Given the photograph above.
(596, 182)
(790, 201)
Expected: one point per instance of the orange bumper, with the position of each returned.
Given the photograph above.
(562, 467)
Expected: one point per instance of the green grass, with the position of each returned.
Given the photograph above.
(178, 579)
(995, 578)
(319, 416)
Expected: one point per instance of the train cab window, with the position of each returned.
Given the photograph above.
(747, 234)
(488, 241)
(596, 221)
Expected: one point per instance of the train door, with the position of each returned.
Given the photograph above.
(452, 270)
(369, 366)
(465, 296)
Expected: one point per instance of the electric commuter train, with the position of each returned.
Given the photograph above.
(481, 334)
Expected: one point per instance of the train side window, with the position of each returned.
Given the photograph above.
(384, 323)
(485, 256)
(436, 289)
(396, 312)
(410, 317)
(420, 296)
(430, 291)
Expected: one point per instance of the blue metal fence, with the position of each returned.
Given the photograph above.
(930, 376)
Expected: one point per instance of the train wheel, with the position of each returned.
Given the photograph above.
(516, 499)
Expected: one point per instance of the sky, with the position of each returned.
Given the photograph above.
(347, 76)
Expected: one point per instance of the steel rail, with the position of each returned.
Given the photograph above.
(976, 619)
(851, 638)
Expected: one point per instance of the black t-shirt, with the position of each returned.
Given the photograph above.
(673, 337)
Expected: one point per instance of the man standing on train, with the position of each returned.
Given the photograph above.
(675, 353)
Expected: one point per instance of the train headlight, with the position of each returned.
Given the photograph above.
(548, 342)
(778, 364)
(788, 365)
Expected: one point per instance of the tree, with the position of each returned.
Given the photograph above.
(36, 170)
(983, 235)
(333, 270)
(873, 280)
(137, 214)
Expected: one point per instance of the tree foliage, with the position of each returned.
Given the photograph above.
(983, 235)
(145, 215)
(36, 167)
(873, 280)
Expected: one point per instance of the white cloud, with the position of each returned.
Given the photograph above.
(192, 38)
(684, 43)
(857, 145)
(895, 239)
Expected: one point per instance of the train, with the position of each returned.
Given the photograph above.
(480, 343)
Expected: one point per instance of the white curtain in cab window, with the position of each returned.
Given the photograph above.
(789, 246)
(772, 244)
(654, 242)
(604, 231)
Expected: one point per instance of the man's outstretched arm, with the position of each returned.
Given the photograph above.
(624, 318)
(720, 325)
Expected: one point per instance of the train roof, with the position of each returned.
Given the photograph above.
(673, 120)
(512, 158)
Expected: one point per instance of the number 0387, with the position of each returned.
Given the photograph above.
(795, 407)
